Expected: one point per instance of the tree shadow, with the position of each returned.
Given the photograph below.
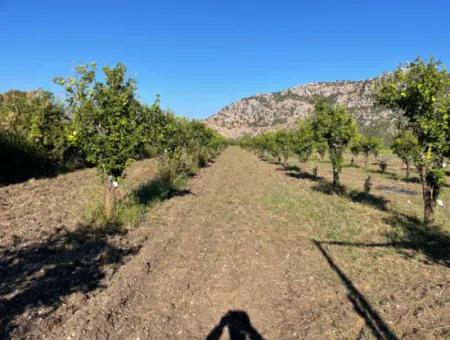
(295, 172)
(387, 174)
(377, 202)
(411, 233)
(303, 175)
(326, 187)
(239, 327)
(158, 190)
(415, 180)
(378, 327)
(290, 168)
(22, 161)
(36, 277)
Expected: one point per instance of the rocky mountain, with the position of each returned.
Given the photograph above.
(282, 109)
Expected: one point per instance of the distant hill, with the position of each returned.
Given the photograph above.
(282, 109)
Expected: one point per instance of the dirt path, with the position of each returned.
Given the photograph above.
(214, 251)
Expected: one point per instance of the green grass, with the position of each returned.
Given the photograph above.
(135, 199)
(320, 215)
(309, 206)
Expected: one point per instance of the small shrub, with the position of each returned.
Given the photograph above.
(169, 169)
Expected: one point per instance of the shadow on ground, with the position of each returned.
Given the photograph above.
(377, 202)
(158, 190)
(361, 305)
(387, 174)
(239, 327)
(407, 234)
(410, 233)
(303, 175)
(324, 186)
(35, 278)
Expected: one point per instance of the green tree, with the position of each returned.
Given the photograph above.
(420, 91)
(153, 121)
(36, 117)
(105, 125)
(333, 125)
(303, 141)
(199, 148)
(321, 149)
(184, 146)
(406, 147)
(355, 147)
(370, 146)
(283, 143)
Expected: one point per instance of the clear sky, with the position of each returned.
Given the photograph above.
(202, 55)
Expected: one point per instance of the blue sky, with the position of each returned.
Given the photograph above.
(202, 55)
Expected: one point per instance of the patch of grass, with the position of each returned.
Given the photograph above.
(353, 179)
(133, 202)
(314, 214)
(131, 209)
(94, 213)
(354, 218)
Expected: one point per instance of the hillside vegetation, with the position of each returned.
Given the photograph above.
(282, 109)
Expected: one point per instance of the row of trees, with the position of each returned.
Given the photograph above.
(419, 91)
(331, 130)
(103, 124)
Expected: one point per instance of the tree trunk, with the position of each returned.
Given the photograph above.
(335, 177)
(279, 160)
(430, 195)
(366, 160)
(352, 162)
(428, 211)
(407, 169)
(110, 196)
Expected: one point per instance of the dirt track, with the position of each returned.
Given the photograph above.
(215, 250)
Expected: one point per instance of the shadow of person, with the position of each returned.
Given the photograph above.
(239, 327)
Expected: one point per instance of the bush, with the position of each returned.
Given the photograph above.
(33, 136)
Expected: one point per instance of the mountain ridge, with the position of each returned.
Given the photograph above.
(281, 109)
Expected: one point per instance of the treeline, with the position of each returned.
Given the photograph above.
(100, 124)
(418, 90)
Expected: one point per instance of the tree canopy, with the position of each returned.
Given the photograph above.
(420, 91)
(333, 125)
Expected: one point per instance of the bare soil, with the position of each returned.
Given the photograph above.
(219, 261)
